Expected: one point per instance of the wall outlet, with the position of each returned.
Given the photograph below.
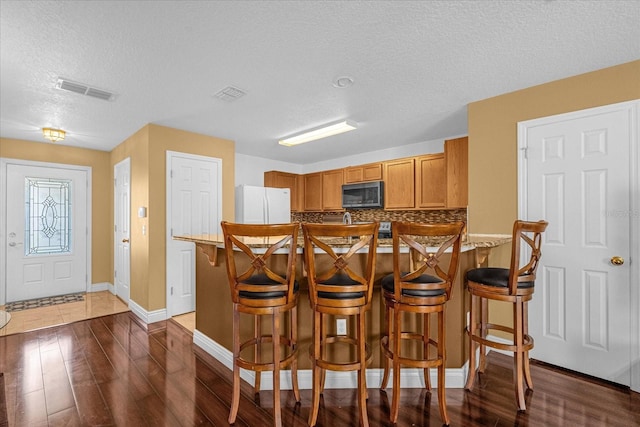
(341, 326)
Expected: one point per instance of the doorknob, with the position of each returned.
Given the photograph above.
(617, 260)
(12, 244)
(125, 240)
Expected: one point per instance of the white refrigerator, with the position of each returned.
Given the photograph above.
(263, 205)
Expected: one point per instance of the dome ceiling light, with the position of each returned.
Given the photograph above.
(53, 135)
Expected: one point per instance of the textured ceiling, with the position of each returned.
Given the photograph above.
(416, 66)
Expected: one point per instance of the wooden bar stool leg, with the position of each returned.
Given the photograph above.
(525, 324)
(362, 372)
(257, 350)
(395, 399)
(441, 368)
(294, 344)
(235, 396)
(315, 390)
(518, 355)
(323, 354)
(426, 331)
(471, 375)
(387, 333)
(484, 319)
(275, 330)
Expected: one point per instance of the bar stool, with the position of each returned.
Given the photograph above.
(260, 286)
(420, 284)
(340, 264)
(514, 285)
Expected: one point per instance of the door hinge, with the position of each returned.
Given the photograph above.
(115, 182)
(525, 151)
(115, 228)
(172, 291)
(171, 173)
(115, 274)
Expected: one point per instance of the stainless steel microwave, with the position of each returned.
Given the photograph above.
(363, 195)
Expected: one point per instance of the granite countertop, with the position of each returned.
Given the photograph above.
(470, 242)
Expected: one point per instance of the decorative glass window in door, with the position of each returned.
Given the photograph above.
(48, 216)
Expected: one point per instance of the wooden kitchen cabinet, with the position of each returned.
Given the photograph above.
(362, 173)
(431, 181)
(312, 191)
(332, 189)
(456, 153)
(286, 180)
(399, 184)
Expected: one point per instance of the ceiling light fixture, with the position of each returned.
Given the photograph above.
(53, 135)
(323, 132)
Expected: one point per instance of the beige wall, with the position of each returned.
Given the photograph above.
(493, 180)
(493, 175)
(147, 149)
(147, 152)
(101, 208)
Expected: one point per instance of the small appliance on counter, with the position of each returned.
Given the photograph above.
(384, 232)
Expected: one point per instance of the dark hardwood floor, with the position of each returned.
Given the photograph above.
(113, 371)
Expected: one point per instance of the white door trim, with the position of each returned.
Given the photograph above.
(633, 109)
(168, 212)
(3, 215)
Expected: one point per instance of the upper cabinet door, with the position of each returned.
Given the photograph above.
(332, 190)
(431, 181)
(399, 180)
(456, 153)
(313, 192)
(363, 173)
(279, 179)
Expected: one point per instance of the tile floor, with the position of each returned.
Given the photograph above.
(95, 304)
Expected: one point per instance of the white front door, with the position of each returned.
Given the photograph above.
(46, 229)
(122, 230)
(578, 178)
(194, 192)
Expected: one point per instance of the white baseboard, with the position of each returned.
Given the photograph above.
(147, 316)
(103, 286)
(410, 378)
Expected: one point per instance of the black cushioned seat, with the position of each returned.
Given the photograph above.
(497, 277)
(263, 279)
(343, 280)
(388, 284)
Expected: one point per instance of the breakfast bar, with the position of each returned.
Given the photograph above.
(214, 307)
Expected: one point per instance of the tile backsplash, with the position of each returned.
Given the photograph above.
(366, 215)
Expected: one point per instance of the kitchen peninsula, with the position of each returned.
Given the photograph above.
(214, 307)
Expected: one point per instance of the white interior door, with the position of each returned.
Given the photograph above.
(194, 206)
(46, 229)
(578, 179)
(122, 229)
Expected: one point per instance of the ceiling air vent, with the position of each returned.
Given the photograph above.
(83, 89)
(230, 93)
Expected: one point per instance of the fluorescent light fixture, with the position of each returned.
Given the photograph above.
(319, 133)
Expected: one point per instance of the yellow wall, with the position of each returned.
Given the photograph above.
(147, 152)
(101, 208)
(493, 180)
(147, 149)
(493, 175)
